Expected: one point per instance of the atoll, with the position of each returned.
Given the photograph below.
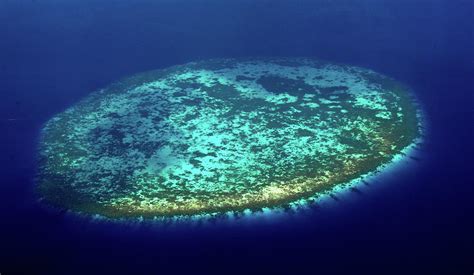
(222, 135)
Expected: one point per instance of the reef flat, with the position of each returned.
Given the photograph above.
(222, 135)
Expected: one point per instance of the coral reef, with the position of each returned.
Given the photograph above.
(222, 135)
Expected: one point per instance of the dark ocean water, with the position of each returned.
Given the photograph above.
(419, 220)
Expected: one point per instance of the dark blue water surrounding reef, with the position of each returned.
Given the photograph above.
(419, 220)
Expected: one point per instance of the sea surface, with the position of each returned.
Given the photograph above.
(415, 220)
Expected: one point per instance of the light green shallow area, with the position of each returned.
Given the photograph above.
(222, 135)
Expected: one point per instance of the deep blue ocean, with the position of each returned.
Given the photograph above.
(419, 220)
